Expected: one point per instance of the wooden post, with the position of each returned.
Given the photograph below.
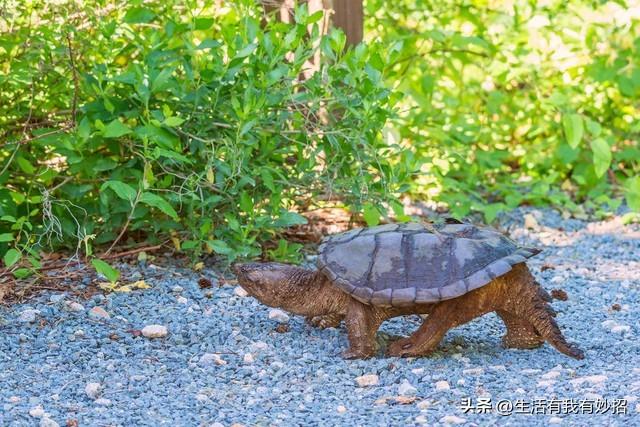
(349, 16)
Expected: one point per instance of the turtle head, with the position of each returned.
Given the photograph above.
(280, 285)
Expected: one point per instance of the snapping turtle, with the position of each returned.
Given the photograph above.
(452, 272)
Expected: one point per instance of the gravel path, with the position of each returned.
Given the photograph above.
(225, 361)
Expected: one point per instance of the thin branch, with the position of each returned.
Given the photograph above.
(74, 103)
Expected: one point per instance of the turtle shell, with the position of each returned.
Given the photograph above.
(405, 264)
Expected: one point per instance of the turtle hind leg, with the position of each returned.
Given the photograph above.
(331, 320)
(520, 333)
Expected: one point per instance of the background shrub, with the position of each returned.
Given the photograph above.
(511, 103)
(161, 120)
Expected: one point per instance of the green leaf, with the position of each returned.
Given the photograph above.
(371, 215)
(25, 165)
(115, 129)
(204, 23)
(139, 15)
(106, 270)
(601, 156)
(22, 273)
(246, 204)
(632, 193)
(6, 237)
(573, 129)
(219, 246)
(289, 219)
(160, 203)
(246, 51)
(123, 190)
(161, 152)
(11, 257)
(173, 121)
(84, 128)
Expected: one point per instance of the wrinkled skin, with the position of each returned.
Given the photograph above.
(516, 297)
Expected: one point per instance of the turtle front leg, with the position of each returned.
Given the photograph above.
(362, 323)
(331, 320)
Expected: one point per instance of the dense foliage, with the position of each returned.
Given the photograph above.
(194, 122)
(169, 121)
(519, 102)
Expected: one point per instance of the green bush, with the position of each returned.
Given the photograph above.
(512, 103)
(165, 120)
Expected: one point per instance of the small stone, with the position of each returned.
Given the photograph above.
(557, 279)
(367, 380)
(546, 383)
(75, 306)
(592, 379)
(473, 371)
(259, 346)
(103, 402)
(520, 390)
(423, 404)
(209, 358)
(48, 422)
(216, 424)
(559, 294)
(530, 222)
(14, 399)
(99, 313)
(278, 315)
(248, 358)
(200, 397)
(421, 419)
(405, 388)
(93, 390)
(616, 307)
(240, 292)
(621, 329)
(341, 409)
(56, 298)
(204, 283)
(37, 412)
(529, 371)
(405, 400)
(555, 420)
(442, 386)
(609, 324)
(461, 381)
(177, 289)
(417, 371)
(282, 328)
(154, 331)
(182, 300)
(550, 375)
(452, 419)
(28, 316)
(638, 408)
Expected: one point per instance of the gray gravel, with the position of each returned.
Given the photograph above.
(222, 360)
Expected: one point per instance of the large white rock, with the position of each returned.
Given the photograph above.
(93, 390)
(28, 316)
(452, 419)
(154, 331)
(240, 292)
(367, 380)
(442, 386)
(278, 315)
(406, 389)
(99, 313)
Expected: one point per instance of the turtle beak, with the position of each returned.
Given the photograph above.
(236, 267)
